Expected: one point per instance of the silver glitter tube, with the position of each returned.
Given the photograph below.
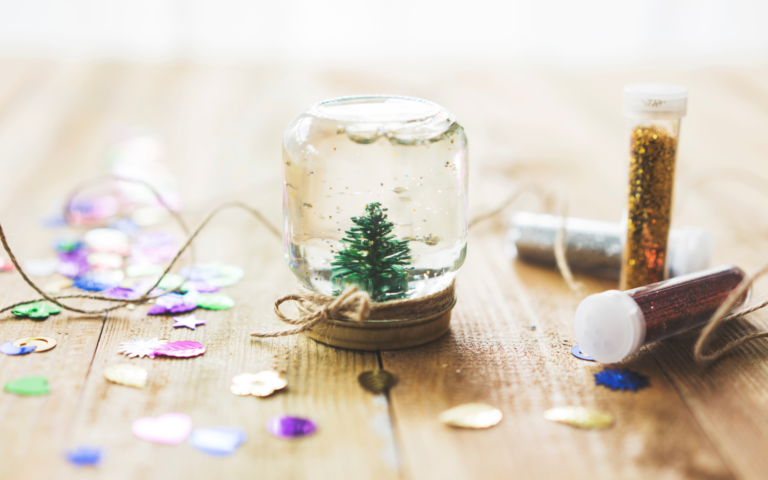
(596, 246)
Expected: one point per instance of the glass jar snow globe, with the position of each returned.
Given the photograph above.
(375, 195)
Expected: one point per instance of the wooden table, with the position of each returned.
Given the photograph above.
(223, 128)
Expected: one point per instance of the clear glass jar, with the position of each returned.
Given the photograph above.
(342, 157)
(654, 111)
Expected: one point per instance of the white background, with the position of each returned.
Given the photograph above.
(562, 34)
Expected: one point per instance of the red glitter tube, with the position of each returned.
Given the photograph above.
(613, 325)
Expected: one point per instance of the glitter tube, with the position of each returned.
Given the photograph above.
(613, 325)
(654, 112)
(596, 247)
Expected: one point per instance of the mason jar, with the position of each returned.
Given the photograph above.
(375, 195)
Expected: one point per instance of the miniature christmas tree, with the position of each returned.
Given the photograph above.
(373, 259)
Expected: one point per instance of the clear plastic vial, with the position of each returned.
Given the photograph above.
(354, 162)
(654, 112)
(613, 325)
(596, 247)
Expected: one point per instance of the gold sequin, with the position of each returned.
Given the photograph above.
(126, 374)
(43, 343)
(472, 415)
(377, 381)
(580, 417)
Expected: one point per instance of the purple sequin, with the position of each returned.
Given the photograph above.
(171, 303)
(286, 426)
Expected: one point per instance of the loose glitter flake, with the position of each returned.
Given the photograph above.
(41, 309)
(144, 347)
(286, 426)
(471, 415)
(218, 441)
(377, 381)
(622, 379)
(168, 429)
(580, 417)
(84, 456)
(41, 344)
(260, 384)
(214, 301)
(182, 349)
(32, 385)
(9, 348)
(126, 374)
(99, 281)
(189, 322)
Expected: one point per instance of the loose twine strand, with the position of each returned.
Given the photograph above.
(355, 301)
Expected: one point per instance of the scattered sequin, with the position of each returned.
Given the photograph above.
(126, 374)
(9, 348)
(144, 270)
(471, 415)
(214, 301)
(41, 309)
(56, 286)
(31, 385)
(103, 260)
(66, 244)
(43, 267)
(580, 417)
(200, 272)
(99, 281)
(219, 441)
(107, 240)
(198, 286)
(260, 384)
(171, 303)
(41, 344)
(576, 351)
(74, 263)
(168, 429)
(189, 322)
(144, 347)
(377, 381)
(621, 379)
(6, 265)
(286, 426)
(84, 456)
(181, 349)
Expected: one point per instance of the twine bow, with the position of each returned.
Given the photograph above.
(352, 304)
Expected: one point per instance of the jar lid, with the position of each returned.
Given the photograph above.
(365, 118)
(655, 100)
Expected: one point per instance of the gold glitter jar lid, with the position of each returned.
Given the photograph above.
(655, 100)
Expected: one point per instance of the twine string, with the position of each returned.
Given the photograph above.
(351, 299)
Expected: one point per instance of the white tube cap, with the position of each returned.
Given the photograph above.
(655, 100)
(609, 326)
(690, 250)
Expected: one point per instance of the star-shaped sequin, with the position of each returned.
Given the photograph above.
(621, 379)
(260, 384)
(141, 347)
(189, 322)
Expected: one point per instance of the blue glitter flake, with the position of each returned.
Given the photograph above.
(621, 379)
(84, 455)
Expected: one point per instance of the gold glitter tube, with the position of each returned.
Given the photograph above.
(655, 111)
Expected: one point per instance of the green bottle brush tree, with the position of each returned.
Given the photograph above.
(373, 259)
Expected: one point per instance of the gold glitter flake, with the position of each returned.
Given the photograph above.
(471, 415)
(651, 177)
(580, 417)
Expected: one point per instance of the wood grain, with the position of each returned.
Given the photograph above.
(222, 127)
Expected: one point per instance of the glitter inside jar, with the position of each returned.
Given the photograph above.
(655, 111)
(389, 173)
(613, 325)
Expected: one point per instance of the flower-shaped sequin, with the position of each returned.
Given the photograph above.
(260, 384)
(39, 309)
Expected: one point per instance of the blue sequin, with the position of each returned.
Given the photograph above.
(84, 456)
(621, 379)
